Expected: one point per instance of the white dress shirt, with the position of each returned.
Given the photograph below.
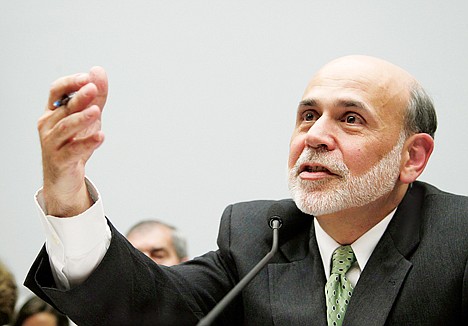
(362, 247)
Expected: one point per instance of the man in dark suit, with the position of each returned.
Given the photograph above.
(363, 242)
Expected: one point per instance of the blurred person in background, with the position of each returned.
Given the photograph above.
(161, 242)
(36, 312)
(8, 295)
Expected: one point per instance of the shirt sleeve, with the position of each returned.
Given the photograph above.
(75, 245)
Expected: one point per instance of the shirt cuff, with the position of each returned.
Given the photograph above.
(84, 237)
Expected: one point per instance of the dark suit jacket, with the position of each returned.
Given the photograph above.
(417, 274)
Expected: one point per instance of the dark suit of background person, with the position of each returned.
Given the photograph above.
(417, 274)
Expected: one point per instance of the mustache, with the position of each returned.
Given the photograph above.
(333, 161)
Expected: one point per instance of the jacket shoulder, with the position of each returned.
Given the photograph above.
(440, 200)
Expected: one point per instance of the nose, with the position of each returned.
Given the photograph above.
(321, 135)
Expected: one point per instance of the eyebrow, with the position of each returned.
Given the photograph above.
(340, 102)
(308, 102)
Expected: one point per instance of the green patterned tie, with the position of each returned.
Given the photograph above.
(338, 289)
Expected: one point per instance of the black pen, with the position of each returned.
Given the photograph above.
(64, 100)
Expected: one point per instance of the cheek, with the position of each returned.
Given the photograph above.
(295, 149)
(359, 160)
(354, 160)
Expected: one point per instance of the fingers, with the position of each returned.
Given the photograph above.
(98, 77)
(80, 101)
(65, 85)
(87, 145)
(60, 163)
(78, 127)
(74, 83)
(89, 89)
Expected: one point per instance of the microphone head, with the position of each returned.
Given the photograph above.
(275, 213)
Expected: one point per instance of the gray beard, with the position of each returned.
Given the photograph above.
(329, 196)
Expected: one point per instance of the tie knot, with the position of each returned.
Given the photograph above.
(343, 258)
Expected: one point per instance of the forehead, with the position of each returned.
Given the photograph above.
(152, 236)
(375, 83)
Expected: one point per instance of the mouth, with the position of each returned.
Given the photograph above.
(313, 168)
(312, 171)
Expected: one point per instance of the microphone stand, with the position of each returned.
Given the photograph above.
(211, 316)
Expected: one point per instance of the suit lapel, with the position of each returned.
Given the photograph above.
(382, 278)
(378, 285)
(293, 284)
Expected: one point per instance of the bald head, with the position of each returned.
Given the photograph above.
(388, 83)
(362, 63)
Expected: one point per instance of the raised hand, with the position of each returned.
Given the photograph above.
(69, 134)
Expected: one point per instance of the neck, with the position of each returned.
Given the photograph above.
(348, 225)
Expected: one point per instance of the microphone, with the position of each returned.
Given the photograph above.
(275, 222)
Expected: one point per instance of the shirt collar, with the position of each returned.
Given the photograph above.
(362, 247)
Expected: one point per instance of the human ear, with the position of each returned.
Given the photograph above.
(417, 150)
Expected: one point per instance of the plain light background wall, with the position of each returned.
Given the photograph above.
(203, 97)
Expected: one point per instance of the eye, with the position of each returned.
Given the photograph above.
(158, 256)
(352, 119)
(309, 115)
